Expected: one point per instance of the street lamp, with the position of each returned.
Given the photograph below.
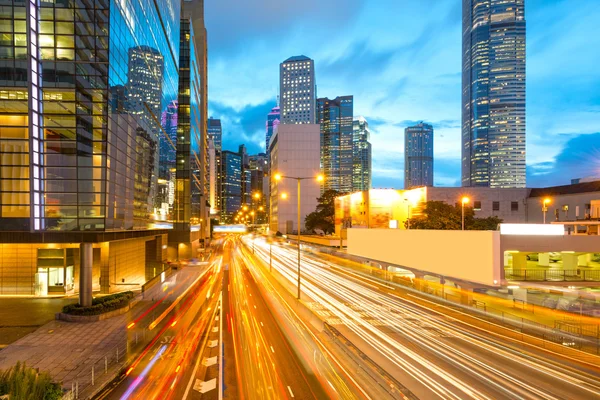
(278, 177)
(408, 215)
(545, 207)
(464, 200)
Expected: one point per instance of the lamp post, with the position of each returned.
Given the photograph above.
(545, 207)
(278, 177)
(464, 200)
(408, 214)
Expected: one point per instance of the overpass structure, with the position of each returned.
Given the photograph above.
(490, 258)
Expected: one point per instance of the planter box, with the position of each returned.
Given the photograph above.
(94, 318)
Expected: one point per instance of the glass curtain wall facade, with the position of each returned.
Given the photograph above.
(79, 152)
(361, 155)
(493, 93)
(336, 120)
(231, 185)
(215, 133)
(167, 162)
(273, 119)
(418, 156)
(188, 187)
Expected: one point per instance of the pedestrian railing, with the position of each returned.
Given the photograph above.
(576, 327)
(552, 275)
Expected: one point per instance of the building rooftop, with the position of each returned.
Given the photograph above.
(584, 187)
(297, 58)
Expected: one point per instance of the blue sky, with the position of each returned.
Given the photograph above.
(401, 60)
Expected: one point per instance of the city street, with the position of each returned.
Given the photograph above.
(161, 370)
(433, 355)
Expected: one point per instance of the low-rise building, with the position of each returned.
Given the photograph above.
(384, 208)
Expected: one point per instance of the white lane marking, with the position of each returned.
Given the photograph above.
(254, 306)
(272, 349)
(261, 324)
(291, 393)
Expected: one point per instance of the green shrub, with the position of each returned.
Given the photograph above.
(23, 383)
(101, 304)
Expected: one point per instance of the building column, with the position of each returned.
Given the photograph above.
(544, 259)
(519, 262)
(570, 261)
(585, 259)
(86, 265)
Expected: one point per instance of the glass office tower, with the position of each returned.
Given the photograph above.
(231, 185)
(418, 156)
(215, 133)
(336, 120)
(188, 187)
(361, 155)
(84, 85)
(273, 119)
(493, 93)
(71, 159)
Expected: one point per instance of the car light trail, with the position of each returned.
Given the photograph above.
(389, 323)
(141, 377)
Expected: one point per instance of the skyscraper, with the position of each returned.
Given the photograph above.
(246, 175)
(193, 10)
(144, 98)
(231, 185)
(493, 93)
(273, 119)
(215, 132)
(294, 152)
(297, 90)
(188, 168)
(80, 128)
(167, 155)
(335, 117)
(361, 155)
(418, 156)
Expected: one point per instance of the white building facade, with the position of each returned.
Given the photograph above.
(295, 152)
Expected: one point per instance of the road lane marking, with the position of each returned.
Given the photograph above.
(291, 393)
(261, 324)
(273, 350)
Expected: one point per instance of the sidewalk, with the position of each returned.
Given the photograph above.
(21, 316)
(68, 349)
(60, 348)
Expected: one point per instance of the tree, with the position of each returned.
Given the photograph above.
(324, 216)
(439, 215)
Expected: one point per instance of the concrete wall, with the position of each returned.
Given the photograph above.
(573, 201)
(126, 264)
(452, 195)
(295, 152)
(579, 244)
(468, 255)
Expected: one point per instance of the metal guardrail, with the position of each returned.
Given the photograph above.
(578, 328)
(394, 388)
(552, 275)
